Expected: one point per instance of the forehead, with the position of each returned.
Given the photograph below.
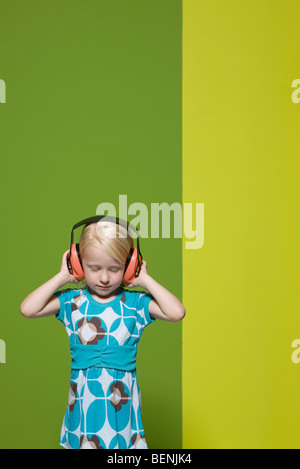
(97, 255)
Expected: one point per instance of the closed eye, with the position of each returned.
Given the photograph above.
(112, 269)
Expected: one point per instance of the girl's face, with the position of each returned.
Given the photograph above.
(103, 274)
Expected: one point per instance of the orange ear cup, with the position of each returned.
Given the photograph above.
(75, 262)
(129, 274)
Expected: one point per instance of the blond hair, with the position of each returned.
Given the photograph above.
(114, 237)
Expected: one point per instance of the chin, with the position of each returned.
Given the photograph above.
(105, 291)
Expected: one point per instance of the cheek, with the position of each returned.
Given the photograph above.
(118, 277)
(89, 275)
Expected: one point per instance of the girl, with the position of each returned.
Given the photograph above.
(104, 322)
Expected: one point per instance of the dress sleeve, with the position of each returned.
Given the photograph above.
(64, 297)
(143, 308)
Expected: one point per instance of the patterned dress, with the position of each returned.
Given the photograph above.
(104, 406)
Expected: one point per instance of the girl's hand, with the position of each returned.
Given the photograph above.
(139, 281)
(64, 271)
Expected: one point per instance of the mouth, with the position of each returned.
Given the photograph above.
(103, 287)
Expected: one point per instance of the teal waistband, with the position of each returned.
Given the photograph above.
(119, 357)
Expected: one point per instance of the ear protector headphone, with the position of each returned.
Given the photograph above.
(133, 262)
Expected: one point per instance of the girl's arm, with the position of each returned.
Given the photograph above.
(165, 305)
(42, 302)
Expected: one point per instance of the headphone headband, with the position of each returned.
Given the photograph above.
(134, 259)
(116, 220)
(97, 218)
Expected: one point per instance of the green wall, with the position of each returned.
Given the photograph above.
(93, 110)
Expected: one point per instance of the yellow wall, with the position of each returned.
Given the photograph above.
(241, 152)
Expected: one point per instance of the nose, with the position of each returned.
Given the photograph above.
(104, 278)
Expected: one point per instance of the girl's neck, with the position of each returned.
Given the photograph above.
(104, 299)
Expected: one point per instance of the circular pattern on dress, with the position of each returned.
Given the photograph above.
(104, 408)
